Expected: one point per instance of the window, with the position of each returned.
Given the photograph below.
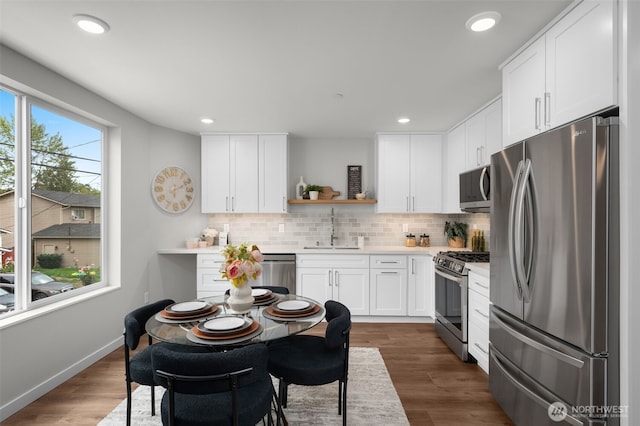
(77, 214)
(51, 195)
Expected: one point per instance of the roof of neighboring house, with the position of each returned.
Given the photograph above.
(69, 198)
(70, 230)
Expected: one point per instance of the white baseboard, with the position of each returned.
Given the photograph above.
(28, 397)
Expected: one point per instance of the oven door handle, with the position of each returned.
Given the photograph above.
(449, 277)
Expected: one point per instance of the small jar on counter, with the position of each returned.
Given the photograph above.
(410, 241)
(424, 240)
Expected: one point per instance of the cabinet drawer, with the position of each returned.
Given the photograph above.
(210, 280)
(332, 261)
(478, 309)
(479, 346)
(479, 283)
(209, 260)
(388, 262)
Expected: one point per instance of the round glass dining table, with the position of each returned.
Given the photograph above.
(268, 326)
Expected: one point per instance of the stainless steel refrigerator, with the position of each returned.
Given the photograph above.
(555, 276)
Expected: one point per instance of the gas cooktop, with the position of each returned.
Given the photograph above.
(455, 261)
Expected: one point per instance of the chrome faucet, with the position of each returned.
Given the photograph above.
(333, 228)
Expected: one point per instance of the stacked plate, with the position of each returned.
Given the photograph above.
(225, 330)
(291, 310)
(187, 311)
(263, 296)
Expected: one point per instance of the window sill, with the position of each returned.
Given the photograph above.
(30, 314)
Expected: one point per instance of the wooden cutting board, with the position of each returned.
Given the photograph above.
(327, 193)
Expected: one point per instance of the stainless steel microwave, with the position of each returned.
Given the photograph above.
(475, 190)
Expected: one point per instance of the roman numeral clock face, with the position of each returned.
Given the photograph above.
(172, 189)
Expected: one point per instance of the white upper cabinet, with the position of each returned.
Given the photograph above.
(273, 173)
(455, 163)
(244, 173)
(568, 73)
(484, 135)
(409, 173)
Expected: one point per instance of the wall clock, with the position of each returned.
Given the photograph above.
(172, 189)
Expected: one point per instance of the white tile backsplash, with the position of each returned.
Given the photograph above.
(308, 228)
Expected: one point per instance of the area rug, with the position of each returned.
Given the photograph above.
(371, 399)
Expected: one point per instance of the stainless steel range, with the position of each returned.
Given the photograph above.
(452, 293)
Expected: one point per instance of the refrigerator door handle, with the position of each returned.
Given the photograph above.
(524, 389)
(567, 359)
(518, 231)
(511, 230)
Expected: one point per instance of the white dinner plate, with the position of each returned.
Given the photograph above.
(292, 305)
(189, 306)
(224, 323)
(257, 292)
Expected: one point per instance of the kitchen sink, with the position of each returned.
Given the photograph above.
(331, 247)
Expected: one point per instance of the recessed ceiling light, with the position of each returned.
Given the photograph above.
(207, 120)
(91, 24)
(404, 120)
(483, 21)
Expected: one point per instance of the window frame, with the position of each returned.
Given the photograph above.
(22, 200)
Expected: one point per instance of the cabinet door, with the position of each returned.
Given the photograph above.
(394, 154)
(315, 283)
(351, 288)
(426, 173)
(273, 159)
(523, 86)
(244, 173)
(476, 139)
(493, 131)
(421, 298)
(388, 292)
(455, 163)
(581, 63)
(215, 167)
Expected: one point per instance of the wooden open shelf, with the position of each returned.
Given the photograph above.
(332, 201)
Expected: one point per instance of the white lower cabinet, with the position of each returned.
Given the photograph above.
(420, 291)
(209, 279)
(344, 278)
(478, 337)
(388, 283)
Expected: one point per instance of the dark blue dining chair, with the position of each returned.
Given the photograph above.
(216, 388)
(138, 367)
(313, 360)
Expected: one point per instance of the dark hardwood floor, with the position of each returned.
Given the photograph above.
(435, 387)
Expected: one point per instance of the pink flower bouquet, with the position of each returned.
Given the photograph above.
(241, 263)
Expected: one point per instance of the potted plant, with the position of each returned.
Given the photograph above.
(313, 191)
(456, 233)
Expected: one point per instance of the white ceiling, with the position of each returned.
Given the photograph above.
(278, 65)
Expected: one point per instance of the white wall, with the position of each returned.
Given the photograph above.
(324, 162)
(37, 352)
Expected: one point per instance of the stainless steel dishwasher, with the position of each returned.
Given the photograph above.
(279, 270)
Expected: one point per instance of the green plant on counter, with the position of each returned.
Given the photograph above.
(312, 188)
(455, 229)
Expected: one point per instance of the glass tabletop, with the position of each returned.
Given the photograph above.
(268, 323)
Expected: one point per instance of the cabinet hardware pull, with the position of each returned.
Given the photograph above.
(481, 348)
(413, 266)
(226, 203)
(481, 313)
(478, 156)
(389, 272)
(335, 280)
(537, 113)
(480, 285)
(547, 108)
(330, 279)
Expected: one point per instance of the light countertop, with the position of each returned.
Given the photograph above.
(432, 251)
(479, 268)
